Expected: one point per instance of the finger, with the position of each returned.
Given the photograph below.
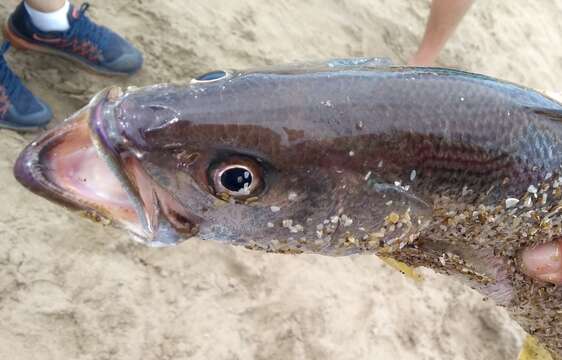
(544, 262)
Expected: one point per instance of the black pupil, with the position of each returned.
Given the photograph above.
(236, 179)
(213, 75)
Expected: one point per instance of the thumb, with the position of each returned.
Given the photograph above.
(544, 262)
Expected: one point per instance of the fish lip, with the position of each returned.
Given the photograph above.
(28, 160)
(98, 122)
(30, 171)
(27, 168)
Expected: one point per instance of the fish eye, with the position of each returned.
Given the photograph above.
(210, 76)
(238, 178)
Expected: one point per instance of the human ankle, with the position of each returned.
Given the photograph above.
(50, 21)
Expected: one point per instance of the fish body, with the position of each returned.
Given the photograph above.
(436, 167)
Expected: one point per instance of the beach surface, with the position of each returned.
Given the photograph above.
(72, 289)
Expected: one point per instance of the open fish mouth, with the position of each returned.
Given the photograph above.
(77, 166)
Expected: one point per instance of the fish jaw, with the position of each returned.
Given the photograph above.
(75, 165)
(63, 166)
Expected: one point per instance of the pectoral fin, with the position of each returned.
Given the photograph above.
(390, 215)
(361, 62)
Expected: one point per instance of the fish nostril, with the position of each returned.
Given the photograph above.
(210, 76)
(156, 108)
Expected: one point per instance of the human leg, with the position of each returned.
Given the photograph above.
(49, 15)
(46, 6)
(444, 17)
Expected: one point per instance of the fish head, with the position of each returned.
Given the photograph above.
(231, 157)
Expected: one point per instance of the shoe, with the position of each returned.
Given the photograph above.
(19, 109)
(92, 45)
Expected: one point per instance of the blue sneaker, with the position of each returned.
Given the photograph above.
(19, 109)
(92, 45)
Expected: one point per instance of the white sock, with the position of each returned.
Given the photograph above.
(51, 21)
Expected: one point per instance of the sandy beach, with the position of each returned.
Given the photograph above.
(72, 289)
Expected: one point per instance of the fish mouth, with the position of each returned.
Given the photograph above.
(77, 165)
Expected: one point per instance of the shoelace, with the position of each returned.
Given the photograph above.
(84, 29)
(8, 79)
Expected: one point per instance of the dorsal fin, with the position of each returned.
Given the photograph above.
(552, 114)
(360, 62)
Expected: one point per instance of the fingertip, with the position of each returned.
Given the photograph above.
(544, 262)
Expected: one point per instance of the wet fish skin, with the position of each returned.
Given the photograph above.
(415, 162)
(457, 131)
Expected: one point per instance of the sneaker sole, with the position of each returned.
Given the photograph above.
(22, 44)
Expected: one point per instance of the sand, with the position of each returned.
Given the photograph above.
(71, 289)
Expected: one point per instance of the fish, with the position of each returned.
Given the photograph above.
(432, 167)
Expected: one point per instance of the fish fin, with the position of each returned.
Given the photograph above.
(397, 218)
(552, 114)
(533, 350)
(332, 65)
(360, 62)
(406, 270)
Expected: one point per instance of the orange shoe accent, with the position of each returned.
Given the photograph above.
(22, 44)
(14, 40)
